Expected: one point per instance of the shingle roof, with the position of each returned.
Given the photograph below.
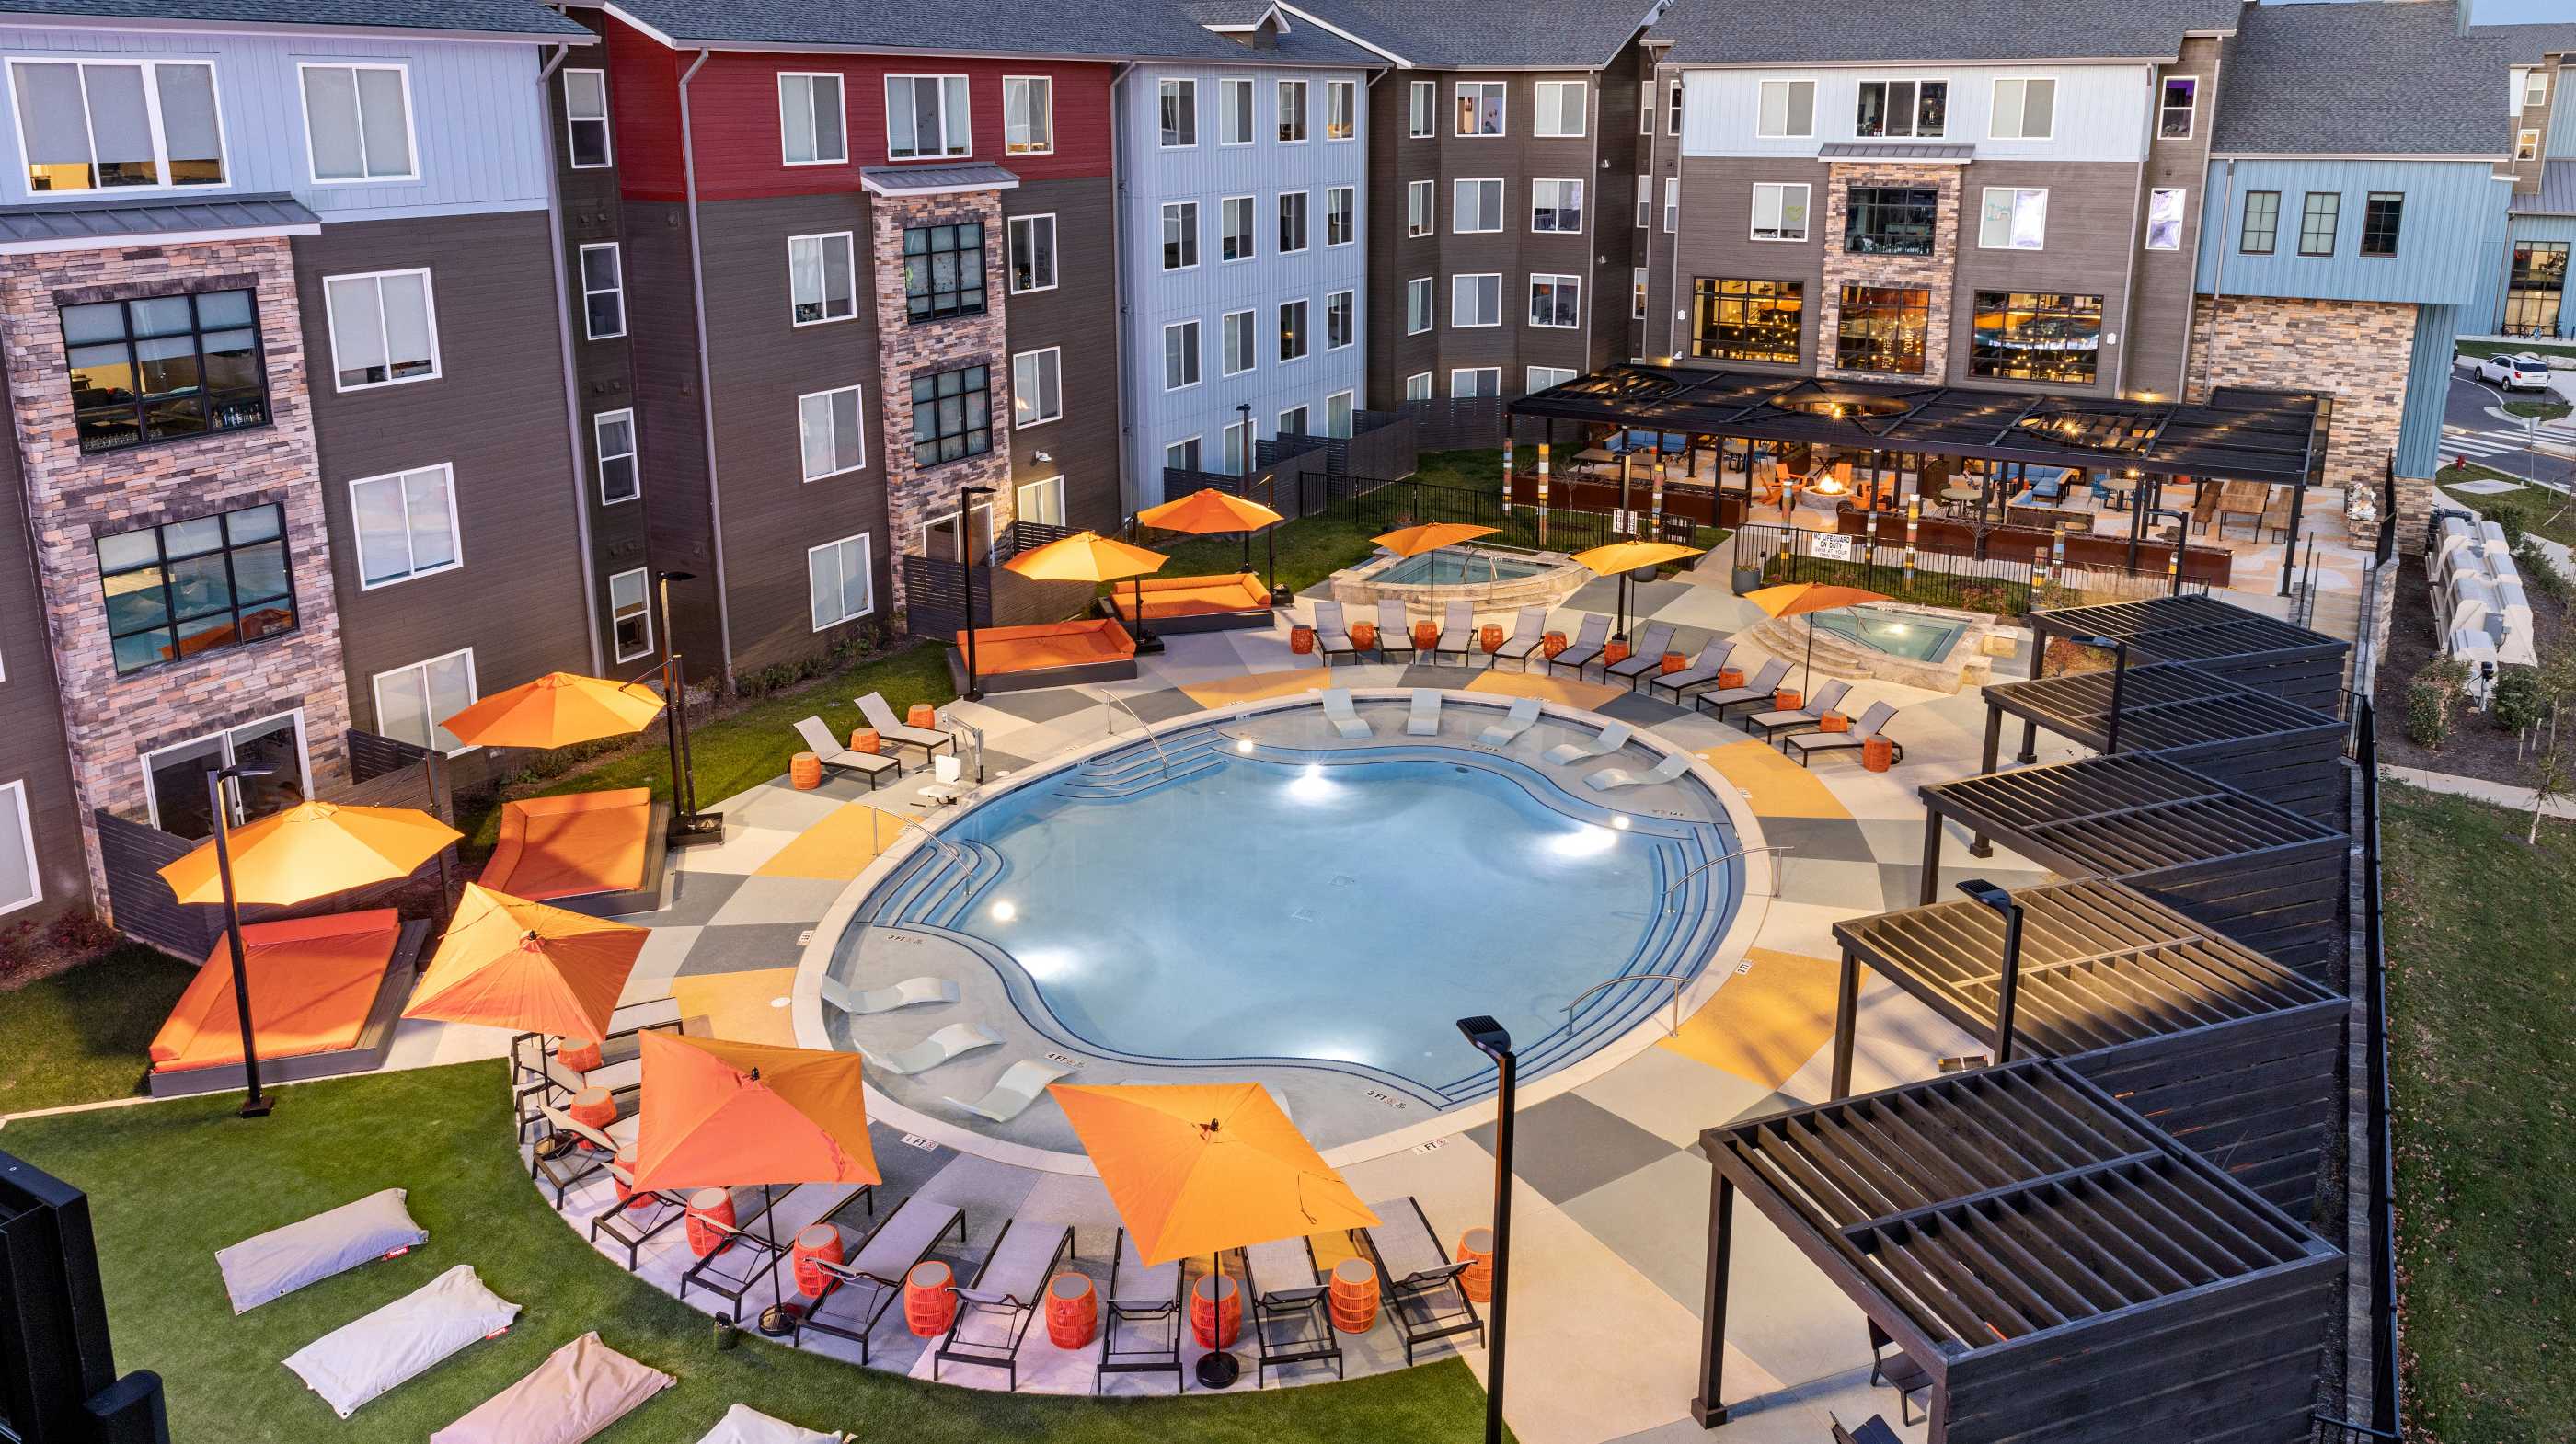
(1909, 152)
(24, 227)
(1305, 43)
(2557, 194)
(1827, 32)
(2293, 87)
(1108, 29)
(2530, 42)
(1514, 34)
(485, 17)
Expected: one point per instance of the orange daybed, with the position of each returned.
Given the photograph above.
(1050, 654)
(573, 845)
(313, 983)
(1191, 604)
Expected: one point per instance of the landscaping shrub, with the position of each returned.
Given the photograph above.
(2516, 702)
(2430, 695)
(2538, 574)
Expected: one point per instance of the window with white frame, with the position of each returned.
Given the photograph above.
(821, 284)
(612, 435)
(1341, 215)
(1028, 115)
(1637, 293)
(1535, 379)
(1177, 104)
(1780, 211)
(405, 524)
(1041, 501)
(357, 122)
(1672, 204)
(2535, 89)
(2164, 219)
(927, 117)
(20, 884)
(1037, 387)
(1673, 107)
(1482, 107)
(630, 614)
(1476, 300)
(1472, 381)
(2013, 220)
(2178, 108)
(1294, 342)
(1234, 111)
(1339, 408)
(119, 125)
(1417, 305)
(603, 292)
(1560, 106)
(1341, 109)
(1917, 108)
(1419, 215)
(840, 580)
(1240, 351)
(1234, 229)
(833, 437)
(1032, 257)
(1292, 222)
(2526, 145)
(1475, 205)
(585, 97)
(384, 329)
(1786, 110)
(1341, 313)
(1292, 112)
(813, 121)
(1556, 301)
(1556, 205)
(1645, 198)
(1180, 235)
(1293, 422)
(1646, 108)
(413, 703)
(1425, 99)
(1230, 447)
(1417, 387)
(2025, 108)
(1180, 355)
(1183, 455)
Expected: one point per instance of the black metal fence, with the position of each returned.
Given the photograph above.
(1404, 503)
(2003, 586)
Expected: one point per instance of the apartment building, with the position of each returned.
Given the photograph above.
(2526, 271)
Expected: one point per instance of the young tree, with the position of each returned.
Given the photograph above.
(2549, 778)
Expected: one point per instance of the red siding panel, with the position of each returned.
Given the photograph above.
(644, 103)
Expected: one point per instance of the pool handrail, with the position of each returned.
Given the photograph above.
(1774, 847)
(1672, 1029)
(1114, 700)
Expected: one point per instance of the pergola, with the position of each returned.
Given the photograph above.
(2219, 1046)
(2057, 1268)
(2252, 741)
(2220, 638)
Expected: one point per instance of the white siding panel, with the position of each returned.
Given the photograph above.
(2101, 110)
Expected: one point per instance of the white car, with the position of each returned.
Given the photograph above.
(2515, 373)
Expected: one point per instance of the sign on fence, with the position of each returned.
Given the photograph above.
(1833, 547)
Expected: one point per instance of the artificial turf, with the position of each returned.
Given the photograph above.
(81, 1036)
(169, 1183)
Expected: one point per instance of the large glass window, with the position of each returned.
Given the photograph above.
(830, 436)
(2036, 336)
(1032, 253)
(2317, 220)
(1891, 220)
(384, 328)
(175, 776)
(1556, 301)
(1787, 110)
(943, 271)
(2535, 288)
(1780, 212)
(406, 525)
(2382, 217)
(2025, 109)
(1476, 300)
(2262, 223)
(820, 282)
(99, 125)
(1736, 319)
(1556, 205)
(1560, 108)
(357, 122)
(2013, 220)
(1028, 115)
(952, 416)
(926, 116)
(1476, 205)
(1481, 107)
(813, 125)
(164, 367)
(189, 587)
(1917, 108)
(413, 703)
(1883, 328)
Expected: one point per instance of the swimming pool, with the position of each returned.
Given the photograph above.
(1909, 635)
(1454, 566)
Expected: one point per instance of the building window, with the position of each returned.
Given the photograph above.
(1424, 99)
(357, 122)
(820, 284)
(405, 525)
(927, 117)
(1469, 382)
(1041, 501)
(1743, 320)
(1418, 216)
(1917, 108)
(1560, 108)
(2262, 223)
(1292, 222)
(1339, 409)
(2382, 216)
(20, 884)
(1294, 341)
(1891, 221)
(1037, 387)
(384, 329)
(1340, 310)
(1672, 204)
(2526, 145)
(833, 438)
(2534, 288)
(1340, 215)
(1780, 212)
(413, 703)
(630, 615)
(174, 777)
(1417, 305)
(189, 587)
(1234, 229)
(1292, 112)
(1556, 301)
(2013, 220)
(943, 271)
(2535, 89)
(1673, 108)
(1178, 101)
(585, 96)
(2024, 109)
(1476, 205)
(1481, 107)
(2318, 217)
(813, 123)
(1028, 115)
(1787, 110)
(2164, 219)
(612, 435)
(124, 125)
(1180, 235)
(1235, 337)
(840, 580)
(1884, 328)
(1535, 379)
(603, 292)
(2179, 108)
(1182, 455)
(1341, 109)
(952, 416)
(1417, 387)
(1180, 355)
(1645, 197)
(1637, 293)
(1556, 205)
(1234, 112)
(164, 368)
(2036, 336)
(1476, 300)
(1032, 253)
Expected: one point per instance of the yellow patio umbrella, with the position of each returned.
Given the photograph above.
(1431, 536)
(1618, 559)
(1805, 599)
(1199, 1168)
(1210, 512)
(1087, 556)
(510, 963)
(557, 710)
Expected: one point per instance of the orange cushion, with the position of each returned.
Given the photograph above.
(580, 842)
(1192, 596)
(312, 982)
(1051, 644)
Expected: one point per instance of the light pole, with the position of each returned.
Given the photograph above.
(2009, 987)
(256, 1103)
(2119, 680)
(1494, 1041)
(966, 573)
(689, 827)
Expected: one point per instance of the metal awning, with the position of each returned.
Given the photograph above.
(2118, 816)
(1896, 152)
(936, 180)
(2222, 639)
(172, 219)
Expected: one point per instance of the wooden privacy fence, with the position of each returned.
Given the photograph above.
(935, 588)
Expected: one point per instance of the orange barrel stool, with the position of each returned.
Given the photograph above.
(1552, 643)
(1364, 636)
(592, 1108)
(805, 770)
(579, 1057)
(1675, 662)
(1877, 753)
(1476, 1251)
(1614, 653)
(705, 1206)
(1072, 1311)
(1424, 635)
(1491, 637)
(1354, 1295)
(815, 1241)
(1835, 722)
(1301, 639)
(626, 1194)
(1216, 1311)
(865, 739)
(1787, 699)
(1730, 678)
(921, 714)
(929, 1299)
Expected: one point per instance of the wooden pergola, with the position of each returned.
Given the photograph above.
(2219, 1046)
(2059, 1269)
(2251, 740)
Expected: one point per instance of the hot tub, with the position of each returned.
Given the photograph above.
(1490, 579)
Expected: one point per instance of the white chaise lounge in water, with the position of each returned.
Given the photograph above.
(1424, 719)
(1019, 1086)
(1520, 719)
(1345, 719)
(953, 1041)
(1673, 765)
(910, 993)
(1612, 738)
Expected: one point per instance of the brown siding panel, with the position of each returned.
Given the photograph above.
(33, 749)
(1081, 316)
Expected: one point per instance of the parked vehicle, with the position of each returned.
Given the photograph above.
(2515, 373)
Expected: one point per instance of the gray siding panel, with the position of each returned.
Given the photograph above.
(670, 434)
(33, 749)
(1079, 315)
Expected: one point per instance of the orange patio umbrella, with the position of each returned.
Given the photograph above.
(1618, 559)
(557, 710)
(1431, 536)
(1805, 599)
(311, 850)
(510, 963)
(1087, 556)
(1210, 512)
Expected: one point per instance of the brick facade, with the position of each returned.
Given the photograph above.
(2355, 351)
(72, 499)
(1932, 273)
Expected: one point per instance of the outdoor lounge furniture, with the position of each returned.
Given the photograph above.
(1673, 765)
(1522, 717)
(1611, 739)
(630, 1226)
(274, 1264)
(1423, 1293)
(1423, 718)
(741, 1262)
(1140, 1320)
(1011, 1094)
(578, 845)
(827, 749)
(571, 1152)
(1805, 746)
(1046, 654)
(370, 1355)
(1292, 1320)
(579, 1391)
(994, 1308)
(1333, 633)
(530, 1053)
(1529, 632)
(1647, 660)
(1586, 647)
(621, 1076)
(1394, 632)
(1797, 719)
(1457, 632)
(1873, 1430)
(325, 995)
(910, 993)
(1195, 603)
(1702, 672)
(858, 1291)
(1761, 688)
(881, 716)
(743, 1424)
(955, 1040)
(1900, 1373)
(1345, 719)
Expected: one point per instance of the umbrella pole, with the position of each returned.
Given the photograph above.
(776, 1322)
(1218, 1368)
(1807, 672)
(256, 1104)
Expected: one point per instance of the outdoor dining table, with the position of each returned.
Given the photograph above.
(1960, 497)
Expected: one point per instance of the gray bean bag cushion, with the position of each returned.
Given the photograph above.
(743, 1424)
(367, 1357)
(282, 1260)
(580, 1389)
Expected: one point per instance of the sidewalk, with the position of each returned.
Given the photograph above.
(2502, 794)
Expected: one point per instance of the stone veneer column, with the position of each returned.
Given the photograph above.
(1933, 273)
(72, 499)
(906, 349)
(2288, 343)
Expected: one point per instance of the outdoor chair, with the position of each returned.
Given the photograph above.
(1805, 746)
(1528, 631)
(1799, 719)
(623, 1078)
(1611, 739)
(1702, 672)
(954, 1041)
(1874, 1430)
(1423, 1294)
(1141, 1319)
(1018, 1087)
(1457, 632)
(1394, 633)
(994, 1308)
(1586, 647)
(827, 749)
(1345, 719)
(910, 993)
(1522, 716)
(881, 716)
(858, 1291)
(1673, 765)
(1646, 660)
(570, 1152)
(1292, 1320)
(630, 1227)
(1760, 689)
(740, 1263)
(1900, 1373)
(1332, 633)
(536, 1058)
(1423, 720)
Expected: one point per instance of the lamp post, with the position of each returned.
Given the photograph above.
(2010, 985)
(255, 1104)
(2119, 678)
(966, 572)
(1494, 1041)
(688, 825)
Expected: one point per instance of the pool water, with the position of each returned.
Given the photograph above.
(1453, 567)
(1898, 634)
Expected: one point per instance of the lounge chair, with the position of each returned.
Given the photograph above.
(1527, 635)
(1140, 1320)
(1798, 719)
(1872, 1430)
(742, 1262)
(910, 993)
(1586, 647)
(1520, 719)
(1648, 658)
(1457, 632)
(571, 1152)
(1423, 1294)
(1805, 746)
(1763, 686)
(1332, 633)
(953, 1041)
(827, 749)
(1345, 719)
(1018, 1087)
(1673, 765)
(1394, 630)
(576, 1394)
(543, 1076)
(947, 782)
(995, 1307)
(858, 1291)
(1702, 672)
(622, 1077)
(881, 716)
(1424, 718)
(630, 1226)
(1611, 739)
(1291, 1321)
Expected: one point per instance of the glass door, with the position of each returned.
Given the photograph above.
(177, 775)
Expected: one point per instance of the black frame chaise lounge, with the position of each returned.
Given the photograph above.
(542, 1077)
(1761, 687)
(570, 1153)
(1529, 631)
(1702, 672)
(1585, 649)
(631, 1228)
(1333, 633)
(998, 1304)
(1423, 1294)
(1292, 1320)
(1645, 659)
(1138, 1301)
(740, 1263)
(1799, 719)
(872, 1276)
(1872, 723)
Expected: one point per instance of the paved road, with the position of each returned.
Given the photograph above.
(2468, 429)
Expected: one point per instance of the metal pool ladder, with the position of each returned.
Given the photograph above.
(1114, 701)
(1774, 847)
(1676, 979)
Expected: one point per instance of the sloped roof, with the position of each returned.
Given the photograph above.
(2557, 194)
(2530, 42)
(1498, 34)
(1832, 32)
(2373, 78)
(1102, 29)
(1303, 43)
(38, 227)
(485, 17)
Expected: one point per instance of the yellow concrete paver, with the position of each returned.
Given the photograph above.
(1767, 1021)
(1258, 686)
(1776, 786)
(740, 1007)
(839, 848)
(1563, 690)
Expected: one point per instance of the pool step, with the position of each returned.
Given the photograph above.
(1140, 768)
(965, 886)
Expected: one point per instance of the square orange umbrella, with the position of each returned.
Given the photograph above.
(1087, 556)
(1431, 536)
(1618, 559)
(557, 710)
(509, 963)
(1210, 512)
(1805, 599)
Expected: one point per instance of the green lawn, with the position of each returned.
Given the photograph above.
(171, 1182)
(2538, 510)
(2484, 349)
(80, 1036)
(2482, 1053)
(2545, 410)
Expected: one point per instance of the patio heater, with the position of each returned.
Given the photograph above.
(1494, 1041)
(688, 825)
(966, 572)
(2119, 678)
(255, 1104)
(2009, 985)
